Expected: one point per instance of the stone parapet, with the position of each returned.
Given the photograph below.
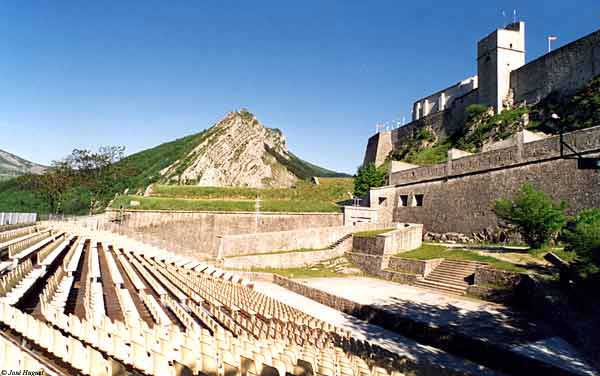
(405, 237)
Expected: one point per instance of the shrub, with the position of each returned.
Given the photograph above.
(533, 214)
(474, 110)
(367, 177)
(582, 236)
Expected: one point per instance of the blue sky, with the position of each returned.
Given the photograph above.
(83, 74)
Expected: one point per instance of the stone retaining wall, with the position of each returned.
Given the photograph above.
(405, 237)
(494, 277)
(456, 196)
(309, 238)
(421, 267)
(193, 233)
(378, 266)
(286, 260)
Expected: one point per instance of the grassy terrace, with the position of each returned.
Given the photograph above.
(430, 251)
(330, 190)
(321, 270)
(159, 203)
(304, 197)
(372, 233)
(278, 252)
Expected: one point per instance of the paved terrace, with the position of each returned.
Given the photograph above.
(475, 318)
(386, 339)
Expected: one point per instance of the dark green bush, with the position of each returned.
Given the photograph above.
(582, 236)
(474, 110)
(367, 177)
(533, 214)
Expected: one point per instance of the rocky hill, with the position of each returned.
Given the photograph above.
(12, 166)
(240, 152)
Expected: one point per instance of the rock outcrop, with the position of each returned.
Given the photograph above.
(238, 151)
(12, 166)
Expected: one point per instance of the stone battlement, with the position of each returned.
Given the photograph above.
(584, 141)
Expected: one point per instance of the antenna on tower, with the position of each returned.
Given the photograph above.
(514, 16)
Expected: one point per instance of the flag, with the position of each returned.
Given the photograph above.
(552, 37)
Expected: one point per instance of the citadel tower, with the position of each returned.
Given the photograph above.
(497, 55)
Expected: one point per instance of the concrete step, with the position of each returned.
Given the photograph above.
(450, 281)
(444, 287)
(464, 262)
(446, 273)
(456, 266)
(453, 270)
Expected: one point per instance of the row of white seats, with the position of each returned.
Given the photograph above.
(94, 263)
(12, 278)
(13, 357)
(72, 258)
(7, 236)
(84, 359)
(23, 249)
(23, 286)
(128, 308)
(133, 276)
(155, 309)
(96, 302)
(47, 256)
(115, 274)
(59, 300)
(157, 287)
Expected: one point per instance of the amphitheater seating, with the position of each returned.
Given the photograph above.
(22, 248)
(197, 318)
(48, 254)
(8, 235)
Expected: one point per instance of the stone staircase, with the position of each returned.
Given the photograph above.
(450, 276)
(339, 241)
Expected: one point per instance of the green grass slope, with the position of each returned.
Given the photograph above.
(303, 197)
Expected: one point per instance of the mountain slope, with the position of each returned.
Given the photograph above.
(240, 152)
(12, 166)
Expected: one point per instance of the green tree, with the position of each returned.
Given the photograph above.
(533, 214)
(53, 184)
(582, 236)
(367, 177)
(96, 173)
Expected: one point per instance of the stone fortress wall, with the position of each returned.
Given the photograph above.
(457, 196)
(500, 72)
(443, 99)
(444, 123)
(197, 233)
(563, 70)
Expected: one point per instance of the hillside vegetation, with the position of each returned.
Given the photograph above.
(160, 164)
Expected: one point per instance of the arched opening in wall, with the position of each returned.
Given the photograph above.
(419, 200)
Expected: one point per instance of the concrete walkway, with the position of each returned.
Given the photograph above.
(388, 340)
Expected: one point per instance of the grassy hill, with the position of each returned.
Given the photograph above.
(141, 169)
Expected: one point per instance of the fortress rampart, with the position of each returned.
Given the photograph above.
(563, 70)
(499, 68)
(457, 196)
